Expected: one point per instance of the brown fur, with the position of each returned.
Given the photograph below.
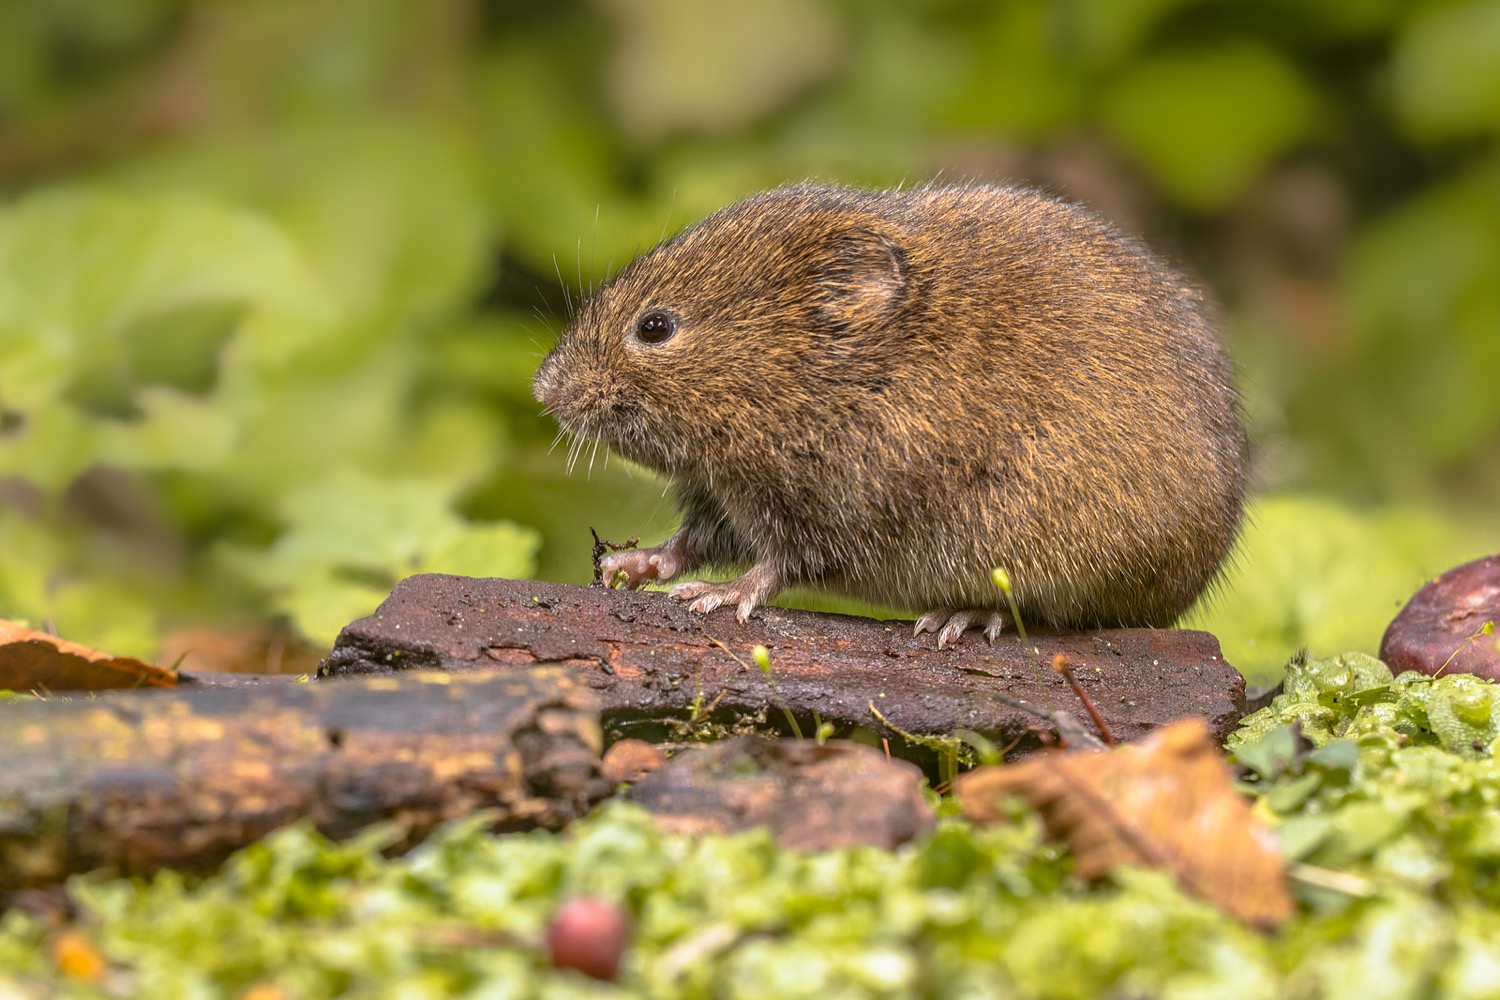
(888, 394)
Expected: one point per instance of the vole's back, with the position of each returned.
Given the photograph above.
(1087, 422)
(892, 393)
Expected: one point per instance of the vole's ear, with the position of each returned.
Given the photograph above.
(863, 280)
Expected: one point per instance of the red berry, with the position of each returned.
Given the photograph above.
(589, 936)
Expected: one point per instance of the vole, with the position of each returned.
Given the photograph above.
(889, 394)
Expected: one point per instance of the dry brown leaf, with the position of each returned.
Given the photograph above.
(35, 661)
(629, 760)
(1168, 802)
(240, 649)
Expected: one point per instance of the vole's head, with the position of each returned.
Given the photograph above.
(734, 331)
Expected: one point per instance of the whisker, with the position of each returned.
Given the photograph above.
(563, 284)
(575, 446)
(593, 249)
(578, 267)
(671, 204)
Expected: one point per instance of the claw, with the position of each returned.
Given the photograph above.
(950, 624)
(998, 622)
(958, 623)
(930, 622)
(746, 594)
(688, 591)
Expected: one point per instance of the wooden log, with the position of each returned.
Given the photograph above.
(650, 658)
(811, 797)
(145, 780)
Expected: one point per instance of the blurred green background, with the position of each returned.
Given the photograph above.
(274, 276)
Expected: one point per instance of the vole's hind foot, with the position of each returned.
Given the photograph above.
(747, 593)
(638, 567)
(950, 624)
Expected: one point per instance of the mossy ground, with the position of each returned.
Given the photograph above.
(1384, 789)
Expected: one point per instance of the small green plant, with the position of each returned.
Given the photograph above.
(762, 657)
(1488, 628)
(1002, 580)
(954, 752)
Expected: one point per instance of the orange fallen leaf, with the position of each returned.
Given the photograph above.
(629, 760)
(35, 661)
(77, 958)
(264, 991)
(1168, 802)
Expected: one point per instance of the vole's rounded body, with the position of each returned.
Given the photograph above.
(889, 394)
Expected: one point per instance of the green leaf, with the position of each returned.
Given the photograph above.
(1107, 30)
(1271, 753)
(1419, 288)
(779, 47)
(1446, 70)
(39, 584)
(1462, 714)
(88, 283)
(350, 538)
(1019, 86)
(1206, 122)
(1288, 795)
(1312, 573)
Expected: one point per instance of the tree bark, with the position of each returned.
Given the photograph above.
(655, 664)
(139, 781)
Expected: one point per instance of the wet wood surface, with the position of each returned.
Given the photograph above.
(133, 782)
(650, 659)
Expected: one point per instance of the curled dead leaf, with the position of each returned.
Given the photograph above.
(1168, 802)
(35, 661)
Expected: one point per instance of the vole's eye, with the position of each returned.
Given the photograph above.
(655, 327)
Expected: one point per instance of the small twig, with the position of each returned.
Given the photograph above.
(700, 714)
(1070, 730)
(763, 661)
(695, 949)
(1060, 664)
(601, 546)
(1336, 881)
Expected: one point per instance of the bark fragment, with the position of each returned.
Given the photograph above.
(146, 780)
(811, 797)
(652, 661)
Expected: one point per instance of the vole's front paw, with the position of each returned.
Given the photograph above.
(747, 593)
(949, 624)
(638, 567)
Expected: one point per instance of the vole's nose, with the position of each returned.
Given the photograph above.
(544, 383)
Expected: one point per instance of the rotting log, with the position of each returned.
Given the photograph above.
(811, 797)
(649, 658)
(145, 780)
